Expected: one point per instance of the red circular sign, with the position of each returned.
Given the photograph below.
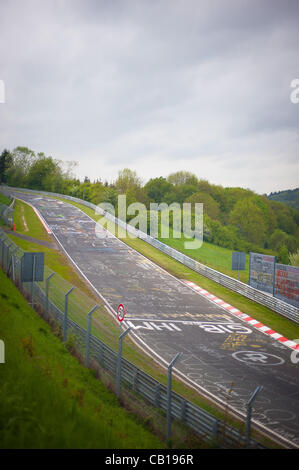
(120, 319)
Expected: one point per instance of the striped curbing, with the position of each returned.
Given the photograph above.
(243, 316)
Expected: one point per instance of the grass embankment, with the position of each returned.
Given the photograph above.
(47, 399)
(216, 257)
(4, 200)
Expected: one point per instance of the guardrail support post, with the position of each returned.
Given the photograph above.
(118, 365)
(171, 364)
(88, 334)
(65, 313)
(249, 410)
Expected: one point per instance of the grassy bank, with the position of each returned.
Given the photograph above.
(47, 399)
(216, 257)
(4, 200)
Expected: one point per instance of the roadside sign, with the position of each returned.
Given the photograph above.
(238, 261)
(32, 267)
(121, 313)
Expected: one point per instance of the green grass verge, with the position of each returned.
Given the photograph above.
(25, 218)
(216, 257)
(47, 399)
(4, 200)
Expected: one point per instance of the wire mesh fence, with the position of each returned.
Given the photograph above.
(68, 308)
(6, 214)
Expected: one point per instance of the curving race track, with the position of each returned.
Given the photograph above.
(219, 351)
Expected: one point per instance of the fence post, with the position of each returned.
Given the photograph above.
(65, 313)
(171, 364)
(47, 291)
(88, 334)
(249, 410)
(274, 276)
(7, 258)
(12, 263)
(118, 365)
(2, 253)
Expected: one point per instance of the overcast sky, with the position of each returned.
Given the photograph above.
(155, 85)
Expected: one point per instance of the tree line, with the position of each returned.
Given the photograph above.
(234, 218)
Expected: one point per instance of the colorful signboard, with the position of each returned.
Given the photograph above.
(287, 284)
(262, 272)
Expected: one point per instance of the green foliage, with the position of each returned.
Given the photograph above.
(234, 218)
(283, 255)
(183, 177)
(157, 188)
(279, 238)
(127, 180)
(45, 174)
(248, 217)
(289, 197)
(5, 163)
(211, 207)
(294, 258)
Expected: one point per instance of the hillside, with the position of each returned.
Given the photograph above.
(289, 197)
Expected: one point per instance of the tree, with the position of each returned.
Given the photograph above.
(22, 159)
(5, 163)
(182, 177)
(210, 206)
(45, 174)
(284, 216)
(156, 188)
(248, 217)
(294, 258)
(283, 255)
(126, 180)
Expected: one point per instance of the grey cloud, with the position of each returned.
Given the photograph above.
(153, 85)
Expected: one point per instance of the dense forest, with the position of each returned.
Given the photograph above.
(234, 218)
(289, 197)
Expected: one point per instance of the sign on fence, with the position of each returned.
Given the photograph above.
(262, 272)
(32, 267)
(287, 284)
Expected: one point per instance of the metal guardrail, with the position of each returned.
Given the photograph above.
(279, 306)
(201, 422)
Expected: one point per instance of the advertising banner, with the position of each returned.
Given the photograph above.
(261, 272)
(287, 284)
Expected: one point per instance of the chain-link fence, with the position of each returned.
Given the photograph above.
(69, 308)
(6, 214)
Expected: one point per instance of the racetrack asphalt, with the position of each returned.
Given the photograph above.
(221, 355)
